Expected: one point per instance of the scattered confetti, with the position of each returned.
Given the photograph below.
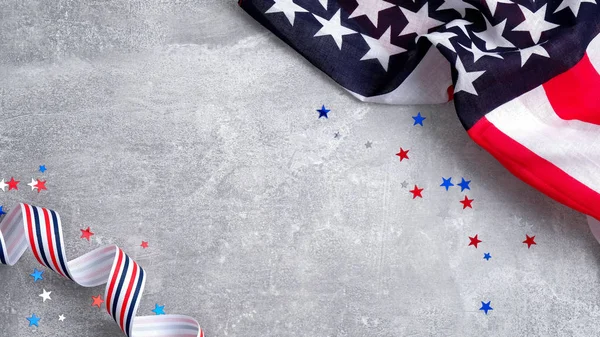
(368, 145)
(467, 202)
(2, 211)
(418, 119)
(45, 295)
(42, 168)
(486, 306)
(487, 256)
(404, 184)
(86, 234)
(61, 318)
(41, 185)
(32, 184)
(402, 154)
(323, 112)
(529, 241)
(474, 241)
(37, 275)
(12, 184)
(464, 184)
(3, 185)
(34, 320)
(447, 183)
(97, 301)
(159, 309)
(416, 192)
(336, 135)
(144, 244)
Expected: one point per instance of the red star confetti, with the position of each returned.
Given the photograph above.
(529, 241)
(474, 241)
(144, 244)
(416, 192)
(402, 154)
(12, 184)
(41, 185)
(97, 301)
(86, 233)
(467, 202)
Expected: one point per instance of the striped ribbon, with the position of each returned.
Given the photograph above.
(40, 229)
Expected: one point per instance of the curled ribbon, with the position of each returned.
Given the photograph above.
(40, 229)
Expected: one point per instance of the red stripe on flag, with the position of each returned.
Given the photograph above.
(114, 279)
(535, 170)
(575, 94)
(128, 293)
(50, 244)
(30, 234)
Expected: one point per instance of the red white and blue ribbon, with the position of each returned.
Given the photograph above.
(40, 229)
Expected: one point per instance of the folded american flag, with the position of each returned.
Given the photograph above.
(524, 75)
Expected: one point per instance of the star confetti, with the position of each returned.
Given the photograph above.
(37, 275)
(42, 168)
(61, 318)
(86, 234)
(41, 185)
(486, 307)
(336, 135)
(3, 185)
(2, 211)
(402, 154)
(45, 295)
(323, 112)
(418, 119)
(32, 184)
(487, 256)
(416, 192)
(474, 241)
(144, 244)
(12, 184)
(368, 145)
(529, 241)
(97, 301)
(464, 184)
(159, 309)
(467, 202)
(33, 320)
(447, 183)
(404, 184)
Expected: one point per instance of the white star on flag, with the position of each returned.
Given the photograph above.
(527, 52)
(333, 28)
(371, 9)
(493, 4)
(381, 49)
(459, 5)
(442, 38)
(323, 3)
(460, 23)
(418, 22)
(574, 5)
(478, 53)
(46, 295)
(3, 185)
(535, 23)
(32, 184)
(465, 79)
(492, 36)
(288, 7)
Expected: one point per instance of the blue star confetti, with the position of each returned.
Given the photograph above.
(447, 183)
(159, 309)
(33, 320)
(323, 112)
(2, 211)
(418, 119)
(486, 306)
(464, 185)
(42, 168)
(37, 275)
(487, 256)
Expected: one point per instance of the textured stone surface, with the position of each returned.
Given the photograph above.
(187, 125)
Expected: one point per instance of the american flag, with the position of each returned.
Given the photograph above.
(523, 75)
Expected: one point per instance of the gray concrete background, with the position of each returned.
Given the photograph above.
(186, 124)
